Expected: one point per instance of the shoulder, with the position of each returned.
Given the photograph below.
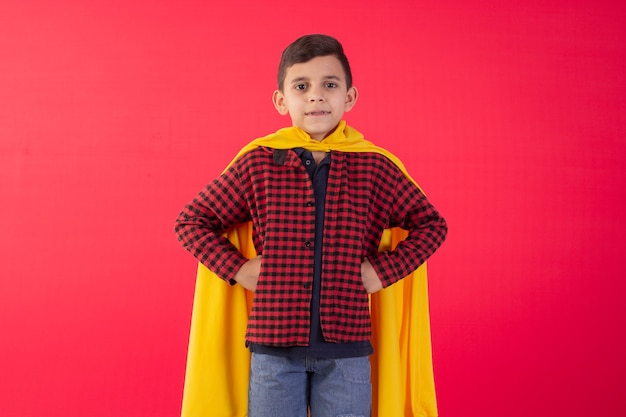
(375, 162)
(253, 157)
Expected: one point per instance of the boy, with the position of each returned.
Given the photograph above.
(318, 197)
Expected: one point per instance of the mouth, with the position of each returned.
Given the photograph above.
(317, 113)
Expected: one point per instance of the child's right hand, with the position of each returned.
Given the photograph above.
(248, 274)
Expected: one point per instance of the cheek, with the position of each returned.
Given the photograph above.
(295, 107)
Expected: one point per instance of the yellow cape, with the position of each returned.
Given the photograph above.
(216, 380)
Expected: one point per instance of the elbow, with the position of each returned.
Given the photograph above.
(441, 230)
(181, 227)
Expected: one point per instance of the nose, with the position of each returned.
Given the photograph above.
(315, 94)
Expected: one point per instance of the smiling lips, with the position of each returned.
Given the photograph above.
(317, 113)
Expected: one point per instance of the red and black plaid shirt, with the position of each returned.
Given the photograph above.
(366, 193)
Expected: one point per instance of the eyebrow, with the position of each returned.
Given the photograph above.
(327, 77)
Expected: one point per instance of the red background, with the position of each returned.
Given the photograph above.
(511, 115)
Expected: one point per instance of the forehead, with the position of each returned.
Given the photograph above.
(320, 67)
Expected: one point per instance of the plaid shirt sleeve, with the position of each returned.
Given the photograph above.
(427, 230)
(202, 223)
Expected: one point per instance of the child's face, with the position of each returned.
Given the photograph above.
(315, 95)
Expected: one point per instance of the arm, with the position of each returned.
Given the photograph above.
(202, 223)
(427, 230)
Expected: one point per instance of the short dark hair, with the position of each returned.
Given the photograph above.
(308, 47)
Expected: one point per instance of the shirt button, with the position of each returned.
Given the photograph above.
(307, 244)
(307, 162)
(309, 204)
(307, 285)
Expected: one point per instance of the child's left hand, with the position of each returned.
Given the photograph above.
(370, 279)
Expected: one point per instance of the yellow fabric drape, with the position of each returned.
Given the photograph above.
(344, 138)
(216, 380)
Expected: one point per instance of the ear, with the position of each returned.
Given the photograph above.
(351, 98)
(280, 103)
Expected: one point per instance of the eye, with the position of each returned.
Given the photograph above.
(300, 86)
(331, 85)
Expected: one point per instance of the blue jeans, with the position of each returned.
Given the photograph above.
(287, 387)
